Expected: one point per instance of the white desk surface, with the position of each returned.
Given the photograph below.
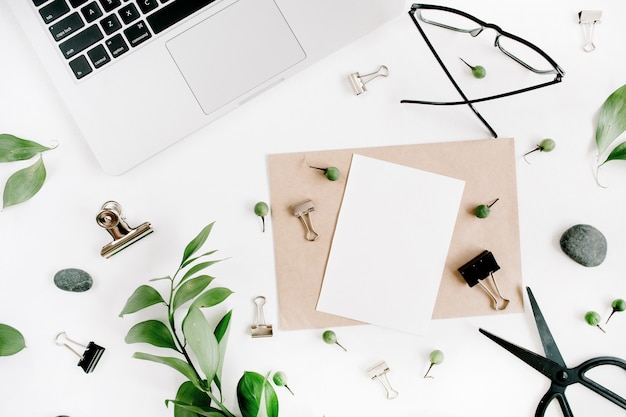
(219, 173)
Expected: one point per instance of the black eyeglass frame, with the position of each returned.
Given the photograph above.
(557, 70)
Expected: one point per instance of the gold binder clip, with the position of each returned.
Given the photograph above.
(110, 218)
(89, 359)
(379, 372)
(260, 329)
(480, 267)
(303, 212)
(588, 19)
(358, 81)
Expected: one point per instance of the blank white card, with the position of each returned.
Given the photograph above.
(390, 245)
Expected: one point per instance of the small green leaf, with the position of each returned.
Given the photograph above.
(13, 148)
(196, 268)
(249, 393)
(211, 297)
(11, 340)
(153, 332)
(271, 400)
(197, 242)
(197, 410)
(618, 153)
(144, 296)
(189, 395)
(190, 260)
(24, 184)
(178, 364)
(220, 332)
(611, 119)
(190, 289)
(202, 341)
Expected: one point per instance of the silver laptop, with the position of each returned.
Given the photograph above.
(139, 75)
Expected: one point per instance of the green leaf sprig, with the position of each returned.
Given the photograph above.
(198, 347)
(25, 183)
(611, 124)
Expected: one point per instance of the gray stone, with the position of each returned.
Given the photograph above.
(584, 244)
(73, 280)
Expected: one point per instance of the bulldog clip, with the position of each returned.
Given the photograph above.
(90, 357)
(260, 329)
(379, 372)
(480, 267)
(358, 81)
(588, 20)
(303, 212)
(110, 218)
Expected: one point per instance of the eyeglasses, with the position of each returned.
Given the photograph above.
(519, 50)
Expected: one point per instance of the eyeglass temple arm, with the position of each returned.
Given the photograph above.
(456, 86)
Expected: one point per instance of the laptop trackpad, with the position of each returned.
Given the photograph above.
(234, 51)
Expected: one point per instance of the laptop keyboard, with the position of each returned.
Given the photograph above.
(94, 33)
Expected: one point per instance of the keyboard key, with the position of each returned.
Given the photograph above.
(110, 24)
(129, 13)
(38, 3)
(117, 45)
(147, 5)
(174, 12)
(91, 12)
(76, 3)
(52, 11)
(80, 66)
(81, 41)
(109, 5)
(137, 33)
(66, 27)
(98, 56)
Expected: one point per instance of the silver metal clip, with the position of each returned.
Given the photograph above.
(89, 358)
(379, 372)
(588, 19)
(110, 218)
(260, 329)
(303, 212)
(358, 81)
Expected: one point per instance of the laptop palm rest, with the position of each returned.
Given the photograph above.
(222, 61)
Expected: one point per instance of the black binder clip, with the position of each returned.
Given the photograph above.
(110, 218)
(90, 357)
(479, 268)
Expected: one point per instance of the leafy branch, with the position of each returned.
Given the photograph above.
(199, 348)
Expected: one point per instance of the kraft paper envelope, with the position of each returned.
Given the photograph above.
(486, 166)
(389, 273)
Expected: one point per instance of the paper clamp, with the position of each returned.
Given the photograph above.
(479, 268)
(358, 81)
(588, 19)
(303, 212)
(110, 218)
(90, 357)
(260, 329)
(378, 373)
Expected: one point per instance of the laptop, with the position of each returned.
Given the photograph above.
(139, 75)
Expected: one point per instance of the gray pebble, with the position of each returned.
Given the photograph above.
(73, 280)
(584, 244)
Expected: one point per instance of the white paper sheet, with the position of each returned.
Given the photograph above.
(390, 245)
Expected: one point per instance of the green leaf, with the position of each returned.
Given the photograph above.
(189, 395)
(611, 119)
(220, 332)
(249, 393)
(13, 148)
(197, 242)
(618, 153)
(153, 332)
(222, 326)
(197, 268)
(178, 364)
(11, 340)
(24, 184)
(202, 341)
(144, 296)
(199, 410)
(211, 297)
(271, 400)
(190, 289)
(188, 261)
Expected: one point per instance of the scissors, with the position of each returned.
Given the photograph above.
(553, 366)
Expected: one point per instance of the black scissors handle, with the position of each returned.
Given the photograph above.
(557, 392)
(582, 369)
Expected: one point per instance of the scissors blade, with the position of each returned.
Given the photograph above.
(545, 366)
(549, 345)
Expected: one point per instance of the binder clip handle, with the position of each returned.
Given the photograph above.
(303, 212)
(379, 372)
(588, 19)
(358, 81)
(89, 358)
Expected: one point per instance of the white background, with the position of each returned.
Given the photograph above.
(219, 173)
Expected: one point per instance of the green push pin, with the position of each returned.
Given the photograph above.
(280, 379)
(478, 71)
(332, 173)
(483, 210)
(261, 209)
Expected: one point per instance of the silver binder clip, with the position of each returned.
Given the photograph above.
(260, 329)
(303, 212)
(379, 372)
(480, 267)
(89, 358)
(588, 19)
(110, 218)
(358, 81)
